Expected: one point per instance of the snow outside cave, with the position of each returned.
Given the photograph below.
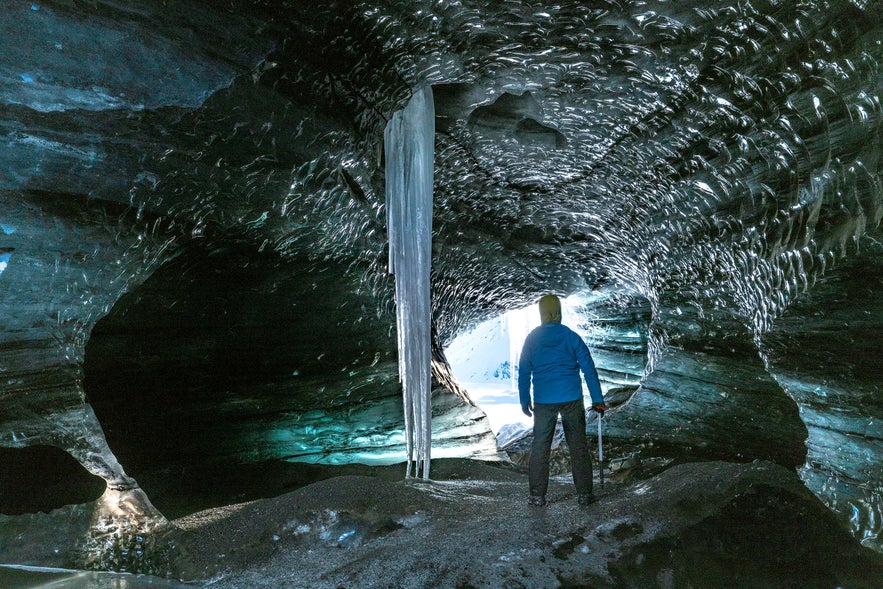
(485, 360)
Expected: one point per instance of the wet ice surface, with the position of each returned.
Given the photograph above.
(817, 354)
(23, 577)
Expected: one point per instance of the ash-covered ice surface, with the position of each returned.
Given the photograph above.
(693, 525)
(711, 524)
(195, 295)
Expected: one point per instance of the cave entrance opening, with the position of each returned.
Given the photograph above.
(484, 358)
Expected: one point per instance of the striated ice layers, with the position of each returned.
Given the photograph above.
(410, 141)
(719, 158)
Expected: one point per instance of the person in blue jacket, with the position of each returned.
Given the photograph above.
(552, 358)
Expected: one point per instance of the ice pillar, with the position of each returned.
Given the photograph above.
(409, 150)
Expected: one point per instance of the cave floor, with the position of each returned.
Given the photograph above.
(706, 524)
(710, 524)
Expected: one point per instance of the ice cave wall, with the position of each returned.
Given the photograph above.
(173, 176)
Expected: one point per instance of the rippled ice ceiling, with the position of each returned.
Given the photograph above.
(173, 176)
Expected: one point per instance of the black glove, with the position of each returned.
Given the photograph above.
(600, 408)
(527, 409)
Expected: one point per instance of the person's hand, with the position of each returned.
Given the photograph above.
(600, 408)
(527, 409)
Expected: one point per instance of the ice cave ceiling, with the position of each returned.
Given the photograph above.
(193, 243)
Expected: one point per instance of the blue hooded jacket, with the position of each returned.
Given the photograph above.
(553, 356)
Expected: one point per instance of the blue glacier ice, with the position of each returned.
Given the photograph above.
(198, 301)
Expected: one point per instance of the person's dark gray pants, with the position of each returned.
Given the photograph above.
(573, 418)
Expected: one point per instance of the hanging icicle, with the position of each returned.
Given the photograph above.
(409, 149)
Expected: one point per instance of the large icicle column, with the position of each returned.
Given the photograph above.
(409, 148)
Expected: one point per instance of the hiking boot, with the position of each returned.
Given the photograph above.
(586, 499)
(536, 500)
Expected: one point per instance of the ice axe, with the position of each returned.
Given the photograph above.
(600, 448)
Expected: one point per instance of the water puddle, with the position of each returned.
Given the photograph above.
(26, 577)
